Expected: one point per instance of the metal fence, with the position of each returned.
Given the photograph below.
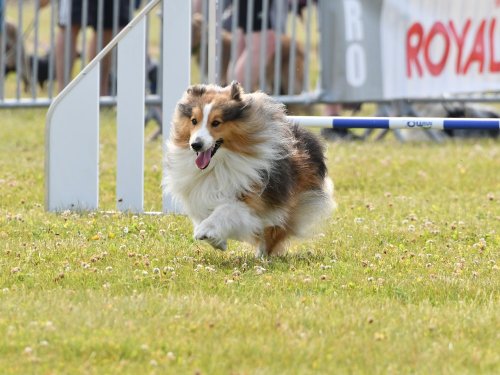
(39, 56)
(275, 56)
(37, 61)
(281, 56)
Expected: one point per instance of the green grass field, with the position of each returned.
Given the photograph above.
(402, 279)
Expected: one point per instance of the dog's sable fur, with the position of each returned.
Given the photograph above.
(242, 171)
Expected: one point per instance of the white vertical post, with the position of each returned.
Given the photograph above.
(212, 41)
(130, 120)
(176, 66)
(72, 147)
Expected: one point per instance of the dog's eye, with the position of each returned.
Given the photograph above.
(194, 121)
(215, 123)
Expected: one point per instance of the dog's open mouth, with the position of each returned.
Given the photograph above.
(203, 158)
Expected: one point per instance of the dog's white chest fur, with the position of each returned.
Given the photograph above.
(226, 179)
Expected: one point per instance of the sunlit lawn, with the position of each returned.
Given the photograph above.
(402, 279)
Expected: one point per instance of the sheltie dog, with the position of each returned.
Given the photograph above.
(242, 171)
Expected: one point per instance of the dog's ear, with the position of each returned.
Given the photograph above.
(236, 91)
(236, 111)
(185, 109)
(196, 90)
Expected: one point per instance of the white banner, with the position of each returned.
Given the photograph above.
(392, 49)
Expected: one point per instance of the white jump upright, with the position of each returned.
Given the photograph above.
(130, 120)
(72, 127)
(72, 145)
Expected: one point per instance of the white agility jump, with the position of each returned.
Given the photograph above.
(72, 130)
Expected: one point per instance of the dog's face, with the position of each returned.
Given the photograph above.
(209, 117)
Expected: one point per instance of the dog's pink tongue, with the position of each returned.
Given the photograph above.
(203, 159)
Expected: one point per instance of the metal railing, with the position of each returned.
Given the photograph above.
(32, 46)
(286, 66)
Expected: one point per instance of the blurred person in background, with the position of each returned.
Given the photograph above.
(70, 20)
(257, 38)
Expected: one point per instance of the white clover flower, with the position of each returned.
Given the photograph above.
(198, 267)
(171, 356)
(28, 350)
(259, 270)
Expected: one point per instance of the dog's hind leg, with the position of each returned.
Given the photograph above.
(274, 242)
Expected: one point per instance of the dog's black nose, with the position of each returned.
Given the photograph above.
(197, 145)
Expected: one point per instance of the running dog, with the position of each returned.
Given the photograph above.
(242, 171)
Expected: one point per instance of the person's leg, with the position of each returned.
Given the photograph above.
(240, 49)
(196, 6)
(61, 56)
(254, 58)
(107, 35)
(70, 15)
(111, 22)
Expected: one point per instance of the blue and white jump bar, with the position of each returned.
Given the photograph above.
(397, 122)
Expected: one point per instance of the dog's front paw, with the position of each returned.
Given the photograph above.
(206, 232)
